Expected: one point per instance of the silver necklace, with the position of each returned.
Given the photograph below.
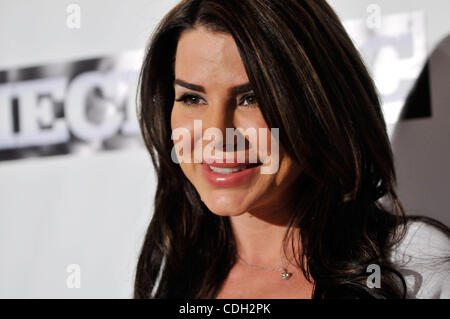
(284, 274)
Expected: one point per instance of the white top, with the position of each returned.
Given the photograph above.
(423, 258)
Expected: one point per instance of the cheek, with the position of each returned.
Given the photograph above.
(254, 120)
(289, 171)
(178, 120)
(182, 129)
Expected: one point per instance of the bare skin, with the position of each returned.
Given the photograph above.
(247, 282)
(258, 208)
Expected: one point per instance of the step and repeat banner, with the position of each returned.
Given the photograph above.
(90, 105)
(73, 107)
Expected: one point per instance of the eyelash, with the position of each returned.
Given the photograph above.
(185, 98)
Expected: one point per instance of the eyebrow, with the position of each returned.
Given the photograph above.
(234, 90)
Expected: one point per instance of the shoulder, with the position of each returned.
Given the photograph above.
(423, 258)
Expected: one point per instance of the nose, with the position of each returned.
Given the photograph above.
(219, 116)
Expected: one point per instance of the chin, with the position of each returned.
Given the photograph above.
(225, 204)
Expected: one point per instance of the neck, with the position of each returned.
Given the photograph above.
(259, 237)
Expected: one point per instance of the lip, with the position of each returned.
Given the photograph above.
(228, 180)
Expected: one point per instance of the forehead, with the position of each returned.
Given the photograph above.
(205, 57)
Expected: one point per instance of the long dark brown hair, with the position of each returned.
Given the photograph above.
(310, 83)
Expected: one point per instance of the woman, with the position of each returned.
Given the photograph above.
(318, 224)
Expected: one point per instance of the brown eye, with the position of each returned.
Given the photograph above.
(190, 100)
(249, 100)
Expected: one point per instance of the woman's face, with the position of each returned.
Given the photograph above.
(212, 89)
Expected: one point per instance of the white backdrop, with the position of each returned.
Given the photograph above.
(92, 211)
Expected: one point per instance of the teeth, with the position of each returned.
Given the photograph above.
(223, 170)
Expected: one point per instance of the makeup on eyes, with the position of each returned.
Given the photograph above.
(184, 98)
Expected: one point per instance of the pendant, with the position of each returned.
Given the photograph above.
(285, 275)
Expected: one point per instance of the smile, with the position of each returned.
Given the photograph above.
(229, 174)
(225, 170)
